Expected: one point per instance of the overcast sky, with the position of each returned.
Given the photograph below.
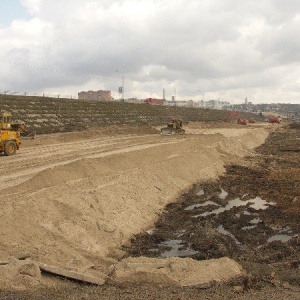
(213, 49)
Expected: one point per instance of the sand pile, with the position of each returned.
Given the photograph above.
(78, 215)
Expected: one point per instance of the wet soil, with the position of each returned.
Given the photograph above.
(250, 215)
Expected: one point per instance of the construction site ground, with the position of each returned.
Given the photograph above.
(86, 201)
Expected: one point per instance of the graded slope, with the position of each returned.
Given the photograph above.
(73, 203)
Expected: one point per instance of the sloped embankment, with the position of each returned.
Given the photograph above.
(47, 115)
(79, 214)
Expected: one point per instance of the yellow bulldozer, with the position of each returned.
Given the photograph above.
(174, 127)
(10, 134)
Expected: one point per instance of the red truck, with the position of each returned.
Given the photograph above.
(274, 120)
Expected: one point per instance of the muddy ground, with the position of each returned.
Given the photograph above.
(251, 215)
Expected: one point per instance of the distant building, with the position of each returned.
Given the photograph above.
(95, 95)
(133, 100)
(154, 101)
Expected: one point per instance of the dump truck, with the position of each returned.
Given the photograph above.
(274, 120)
(174, 127)
(10, 134)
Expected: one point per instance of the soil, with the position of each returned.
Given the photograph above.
(260, 229)
(251, 214)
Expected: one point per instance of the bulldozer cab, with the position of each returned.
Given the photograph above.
(6, 121)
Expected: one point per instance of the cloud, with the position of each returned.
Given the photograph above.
(220, 47)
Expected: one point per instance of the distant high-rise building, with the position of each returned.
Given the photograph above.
(95, 95)
(246, 101)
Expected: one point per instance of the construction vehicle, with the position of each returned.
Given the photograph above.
(10, 134)
(237, 117)
(174, 127)
(274, 120)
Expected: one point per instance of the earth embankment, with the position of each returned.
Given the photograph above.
(73, 200)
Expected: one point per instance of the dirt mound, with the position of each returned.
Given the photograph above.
(177, 271)
(78, 210)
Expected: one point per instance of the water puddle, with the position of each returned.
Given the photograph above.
(177, 249)
(200, 193)
(223, 231)
(247, 213)
(284, 234)
(223, 194)
(256, 203)
(280, 237)
(191, 207)
(256, 221)
(150, 231)
(249, 227)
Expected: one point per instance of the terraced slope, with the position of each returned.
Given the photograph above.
(49, 115)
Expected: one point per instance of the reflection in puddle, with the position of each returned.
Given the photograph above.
(176, 249)
(223, 231)
(256, 203)
(191, 207)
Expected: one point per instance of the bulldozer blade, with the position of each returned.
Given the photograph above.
(167, 131)
(170, 131)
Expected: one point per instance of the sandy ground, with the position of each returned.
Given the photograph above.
(72, 200)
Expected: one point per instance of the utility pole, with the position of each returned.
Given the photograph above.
(123, 88)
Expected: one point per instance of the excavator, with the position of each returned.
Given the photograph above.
(10, 134)
(174, 127)
(238, 118)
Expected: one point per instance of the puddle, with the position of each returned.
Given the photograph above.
(223, 194)
(246, 213)
(191, 207)
(249, 227)
(176, 249)
(286, 229)
(223, 231)
(280, 237)
(180, 233)
(200, 193)
(256, 221)
(153, 250)
(256, 203)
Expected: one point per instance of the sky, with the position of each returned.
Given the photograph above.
(195, 49)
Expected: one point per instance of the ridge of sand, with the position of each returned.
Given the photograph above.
(79, 212)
